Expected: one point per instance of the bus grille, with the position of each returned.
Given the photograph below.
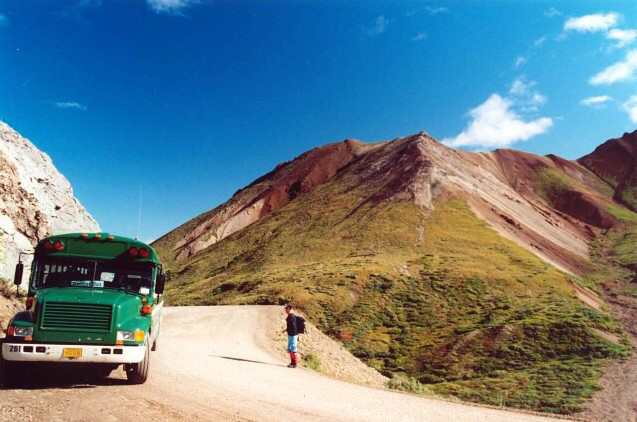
(76, 316)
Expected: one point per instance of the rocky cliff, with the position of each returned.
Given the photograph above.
(35, 199)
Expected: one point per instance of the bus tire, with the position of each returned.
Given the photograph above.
(3, 371)
(102, 371)
(155, 344)
(8, 374)
(137, 373)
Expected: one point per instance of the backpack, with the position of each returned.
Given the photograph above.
(300, 325)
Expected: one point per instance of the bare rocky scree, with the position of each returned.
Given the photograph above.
(36, 200)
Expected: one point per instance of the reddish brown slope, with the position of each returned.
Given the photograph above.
(266, 194)
(615, 161)
(549, 205)
(565, 185)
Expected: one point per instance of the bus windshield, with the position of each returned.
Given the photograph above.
(56, 272)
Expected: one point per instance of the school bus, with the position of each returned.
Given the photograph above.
(93, 299)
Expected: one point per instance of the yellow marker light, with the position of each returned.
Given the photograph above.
(139, 336)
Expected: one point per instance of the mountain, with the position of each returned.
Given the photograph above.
(615, 162)
(557, 201)
(35, 199)
(468, 272)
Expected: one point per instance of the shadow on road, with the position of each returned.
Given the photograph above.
(37, 377)
(247, 360)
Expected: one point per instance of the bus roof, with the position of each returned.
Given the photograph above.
(95, 246)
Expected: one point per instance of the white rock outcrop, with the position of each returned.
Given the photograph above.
(36, 200)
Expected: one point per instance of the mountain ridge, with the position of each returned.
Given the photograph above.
(622, 174)
(579, 204)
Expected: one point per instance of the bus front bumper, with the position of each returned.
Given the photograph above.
(26, 352)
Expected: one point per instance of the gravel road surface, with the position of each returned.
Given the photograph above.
(213, 364)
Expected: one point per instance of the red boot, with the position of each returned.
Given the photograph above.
(293, 360)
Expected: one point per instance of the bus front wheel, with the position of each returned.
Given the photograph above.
(137, 373)
(8, 373)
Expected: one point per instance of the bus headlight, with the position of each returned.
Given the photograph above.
(14, 331)
(137, 336)
(125, 336)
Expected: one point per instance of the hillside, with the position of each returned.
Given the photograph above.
(615, 161)
(466, 271)
(35, 199)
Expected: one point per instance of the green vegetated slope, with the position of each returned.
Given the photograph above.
(615, 256)
(436, 298)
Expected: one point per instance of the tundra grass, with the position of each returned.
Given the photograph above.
(550, 184)
(312, 361)
(434, 296)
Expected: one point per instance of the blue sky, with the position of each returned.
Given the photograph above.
(189, 101)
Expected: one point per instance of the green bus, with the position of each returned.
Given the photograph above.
(94, 299)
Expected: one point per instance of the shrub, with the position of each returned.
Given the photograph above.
(7, 289)
(406, 383)
(312, 361)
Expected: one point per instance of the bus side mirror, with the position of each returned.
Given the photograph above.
(161, 283)
(17, 277)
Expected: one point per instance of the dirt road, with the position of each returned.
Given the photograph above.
(213, 364)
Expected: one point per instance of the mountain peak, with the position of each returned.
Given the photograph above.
(615, 162)
(513, 191)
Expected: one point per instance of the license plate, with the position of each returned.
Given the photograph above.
(72, 353)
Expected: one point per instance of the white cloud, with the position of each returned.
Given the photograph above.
(519, 87)
(520, 61)
(592, 23)
(70, 105)
(421, 36)
(617, 72)
(436, 10)
(539, 41)
(171, 7)
(378, 26)
(526, 97)
(622, 36)
(630, 107)
(551, 12)
(596, 101)
(495, 123)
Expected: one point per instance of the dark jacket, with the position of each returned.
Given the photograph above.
(291, 325)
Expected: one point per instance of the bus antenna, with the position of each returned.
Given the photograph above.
(139, 212)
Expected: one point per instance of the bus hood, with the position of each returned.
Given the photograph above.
(83, 315)
(95, 296)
